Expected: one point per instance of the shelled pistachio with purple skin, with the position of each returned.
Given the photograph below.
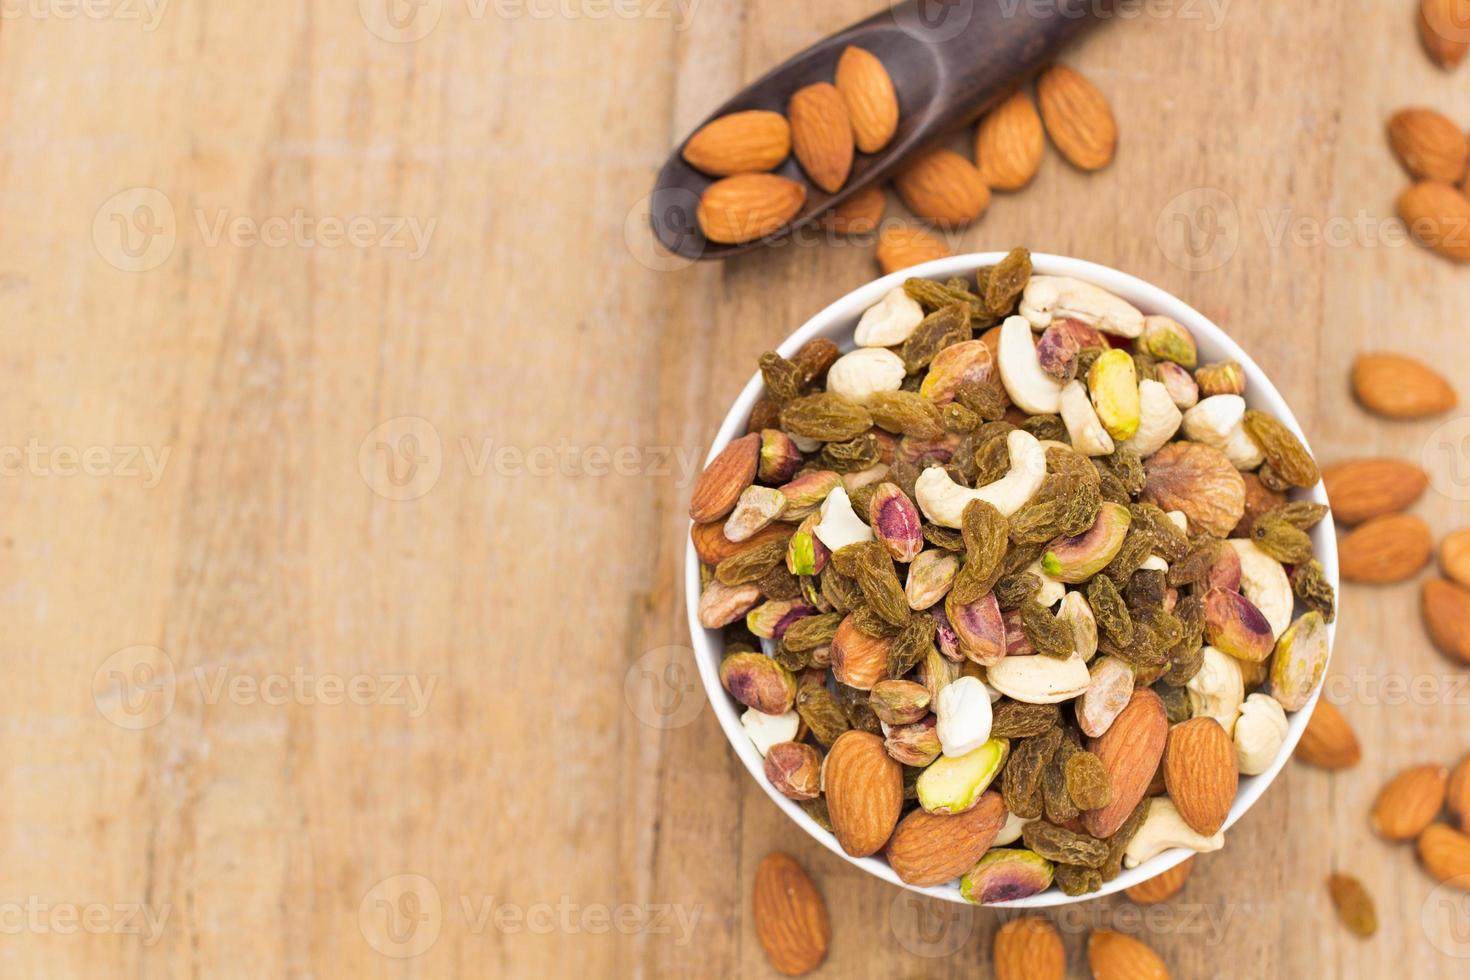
(979, 537)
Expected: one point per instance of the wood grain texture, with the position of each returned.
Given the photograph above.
(496, 345)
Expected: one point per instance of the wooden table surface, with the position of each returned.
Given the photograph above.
(349, 424)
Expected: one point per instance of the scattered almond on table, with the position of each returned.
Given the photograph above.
(790, 916)
(1444, 27)
(1162, 887)
(1328, 741)
(1028, 948)
(1118, 956)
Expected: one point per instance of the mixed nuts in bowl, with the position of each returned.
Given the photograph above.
(1012, 579)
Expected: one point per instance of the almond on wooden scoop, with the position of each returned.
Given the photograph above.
(790, 916)
(741, 142)
(1200, 773)
(872, 104)
(943, 187)
(821, 135)
(747, 206)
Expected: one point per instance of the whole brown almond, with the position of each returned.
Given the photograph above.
(1130, 751)
(1457, 794)
(1162, 887)
(1386, 549)
(1328, 742)
(738, 143)
(1117, 956)
(933, 848)
(790, 916)
(1078, 118)
(872, 104)
(1401, 387)
(1446, 855)
(1444, 27)
(1009, 144)
(747, 206)
(1410, 802)
(1028, 948)
(1438, 216)
(1200, 773)
(857, 215)
(900, 248)
(821, 135)
(1428, 144)
(864, 788)
(943, 187)
(1446, 608)
(1454, 556)
(725, 479)
(1362, 489)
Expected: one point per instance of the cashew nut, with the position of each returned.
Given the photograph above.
(1084, 428)
(1051, 591)
(1010, 831)
(839, 524)
(890, 321)
(1158, 419)
(1155, 563)
(1259, 733)
(862, 373)
(1217, 689)
(1077, 613)
(1039, 679)
(943, 500)
(1031, 388)
(1163, 828)
(1263, 581)
(1216, 421)
(1180, 519)
(1049, 298)
(766, 730)
(964, 717)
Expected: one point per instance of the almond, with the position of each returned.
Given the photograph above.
(1444, 26)
(1454, 556)
(1077, 117)
(1362, 489)
(1428, 144)
(1386, 549)
(1400, 387)
(1446, 608)
(1438, 216)
(1009, 144)
(864, 789)
(1328, 741)
(857, 215)
(790, 916)
(900, 248)
(821, 134)
(1457, 794)
(1409, 802)
(859, 660)
(1029, 948)
(1200, 773)
(943, 187)
(1115, 956)
(1130, 751)
(747, 206)
(933, 848)
(872, 105)
(712, 547)
(725, 479)
(1446, 855)
(741, 142)
(1162, 887)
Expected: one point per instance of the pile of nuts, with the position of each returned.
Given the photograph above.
(1018, 540)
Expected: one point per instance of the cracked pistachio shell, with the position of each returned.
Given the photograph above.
(968, 362)
(1108, 692)
(757, 681)
(805, 552)
(771, 619)
(1112, 382)
(954, 785)
(757, 507)
(1167, 339)
(1006, 874)
(979, 627)
(1301, 656)
(915, 744)
(806, 493)
(1078, 558)
(795, 769)
(779, 457)
(721, 604)
(899, 702)
(1180, 385)
(896, 522)
(929, 578)
(1235, 626)
(1077, 613)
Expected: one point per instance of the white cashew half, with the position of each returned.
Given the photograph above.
(862, 373)
(1180, 519)
(1010, 831)
(1155, 563)
(839, 524)
(1038, 679)
(890, 321)
(1031, 388)
(766, 730)
(1263, 581)
(1051, 591)
(1216, 421)
(1077, 613)
(964, 717)
(1084, 428)
(943, 500)
(1158, 419)
(1163, 828)
(1049, 298)
(1217, 690)
(1259, 733)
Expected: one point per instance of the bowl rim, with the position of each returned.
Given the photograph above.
(1152, 300)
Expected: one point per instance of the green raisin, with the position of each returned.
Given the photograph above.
(752, 563)
(1145, 589)
(1109, 610)
(1301, 514)
(859, 713)
(1013, 591)
(1048, 635)
(985, 398)
(910, 646)
(943, 328)
(779, 583)
(1284, 452)
(840, 591)
(814, 358)
(943, 537)
(1137, 546)
(783, 378)
(861, 498)
(1354, 905)
(1170, 543)
(1056, 801)
(817, 809)
(1006, 281)
(1281, 539)
(933, 295)
(1145, 367)
(1111, 488)
(1118, 843)
(879, 582)
(793, 660)
(825, 416)
(1076, 880)
(1046, 427)
(1176, 701)
(1021, 780)
(906, 413)
(1085, 357)
(1194, 566)
(1088, 782)
(1064, 846)
(1127, 466)
(869, 623)
(1020, 557)
(958, 418)
(1018, 719)
(1309, 583)
(853, 455)
(822, 712)
(810, 632)
(1271, 479)
(992, 457)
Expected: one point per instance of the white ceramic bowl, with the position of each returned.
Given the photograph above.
(837, 322)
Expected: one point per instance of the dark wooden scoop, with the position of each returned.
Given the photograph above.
(950, 61)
